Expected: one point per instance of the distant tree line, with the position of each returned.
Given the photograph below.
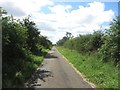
(106, 44)
(20, 40)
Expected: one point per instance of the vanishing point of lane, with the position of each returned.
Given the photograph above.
(56, 72)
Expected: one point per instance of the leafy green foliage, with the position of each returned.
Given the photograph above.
(110, 50)
(85, 43)
(94, 50)
(64, 39)
(45, 42)
(21, 42)
(107, 43)
(35, 41)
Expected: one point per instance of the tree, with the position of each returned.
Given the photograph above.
(67, 36)
(13, 49)
(110, 49)
(45, 42)
(33, 34)
(96, 40)
(21, 40)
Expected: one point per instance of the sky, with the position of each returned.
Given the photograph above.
(56, 17)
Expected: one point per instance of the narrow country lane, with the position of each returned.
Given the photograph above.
(56, 72)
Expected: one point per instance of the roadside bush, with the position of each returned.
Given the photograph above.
(85, 43)
(110, 49)
(105, 42)
(21, 42)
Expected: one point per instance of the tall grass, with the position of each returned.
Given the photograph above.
(103, 75)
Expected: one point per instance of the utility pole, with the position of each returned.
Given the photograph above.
(1, 13)
(0, 48)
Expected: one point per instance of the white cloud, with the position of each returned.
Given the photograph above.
(60, 9)
(26, 6)
(63, 18)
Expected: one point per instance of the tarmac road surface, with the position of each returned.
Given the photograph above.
(56, 72)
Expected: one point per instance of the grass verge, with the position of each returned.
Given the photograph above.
(103, 75)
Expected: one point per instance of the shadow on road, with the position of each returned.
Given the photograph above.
(39, 74)
(49, 55)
